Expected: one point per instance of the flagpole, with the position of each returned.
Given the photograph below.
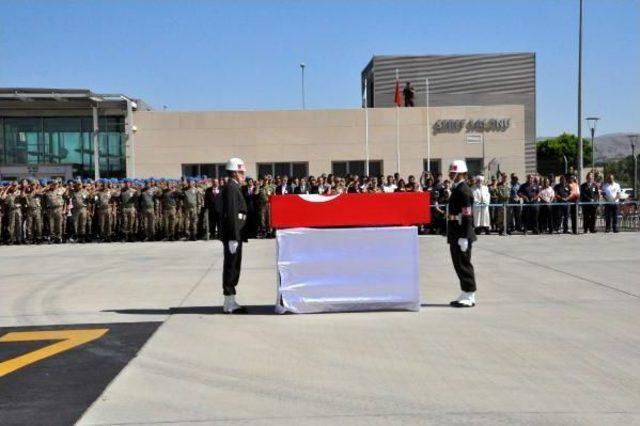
(428, 127)
(397, 126)
(366, 130)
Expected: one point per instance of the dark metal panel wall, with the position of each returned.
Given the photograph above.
(481, 80)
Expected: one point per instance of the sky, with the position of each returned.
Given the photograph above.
(244, 55)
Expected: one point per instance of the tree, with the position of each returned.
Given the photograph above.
(551, 152)
(622, 171)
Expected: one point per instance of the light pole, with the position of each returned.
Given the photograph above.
(580, 147)
(302, 65)
(633, 141)
(592, 126)
(426, 80)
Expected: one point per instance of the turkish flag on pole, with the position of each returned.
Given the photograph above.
(397, 99)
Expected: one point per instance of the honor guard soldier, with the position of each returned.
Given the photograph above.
(234, 217)
(460, 233)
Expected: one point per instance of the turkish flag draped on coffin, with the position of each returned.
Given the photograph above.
(350, 210)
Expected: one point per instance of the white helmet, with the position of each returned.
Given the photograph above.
(458, 166)
(235, 165)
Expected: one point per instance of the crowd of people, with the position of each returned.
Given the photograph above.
(51, 211)
(544, 204)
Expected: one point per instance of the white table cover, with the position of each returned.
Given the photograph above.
(347, 269)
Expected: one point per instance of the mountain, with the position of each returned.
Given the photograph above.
(611, 146)
(614, 146)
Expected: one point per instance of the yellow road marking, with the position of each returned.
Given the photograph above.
(68, 339)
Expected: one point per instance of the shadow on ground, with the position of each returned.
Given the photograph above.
(195, 310)
(217, 310)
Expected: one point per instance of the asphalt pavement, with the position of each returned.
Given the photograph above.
(553, 339)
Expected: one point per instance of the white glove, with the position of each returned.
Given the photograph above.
(233, 247)
(463, 243)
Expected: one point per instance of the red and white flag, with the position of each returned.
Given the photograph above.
(397, 99)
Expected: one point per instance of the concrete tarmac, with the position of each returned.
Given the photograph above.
(554, 338)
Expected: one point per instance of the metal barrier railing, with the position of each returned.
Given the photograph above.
(521, 217)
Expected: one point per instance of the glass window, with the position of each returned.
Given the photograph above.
(21, 136)
(265, 169)
(300, 170)
(215, 170)
(222, 170)
(64, 140)
(103, 152)
(282, 169)
(2, 153)
(297, 169)
(339, 168)
(190, 169)
(343, 168)
(357, 167)
(208, 169)
(375, 168)
(115, 152)
(474, 165)
(436, 166)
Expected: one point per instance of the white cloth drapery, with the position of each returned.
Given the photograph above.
(481, 200)
(347, 269)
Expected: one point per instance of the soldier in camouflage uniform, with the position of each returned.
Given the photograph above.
(148, 198)
(129, 199)
(192, 203)
(3, 191)
(158, 209)
(80, 201)
(169, 207)
(503, 192)
(55, 210)
(493, 199)
(103, 205)
(14, 200)
(203, 217)
(265, 190)
(114, 209)
(33, 200)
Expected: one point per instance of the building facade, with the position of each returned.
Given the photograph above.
(481, 108)
(455, 80)
(311, 142)
(52, 133)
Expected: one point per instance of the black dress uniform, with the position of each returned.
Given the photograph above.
(234, 217)
(589, 194)
(460, 225)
